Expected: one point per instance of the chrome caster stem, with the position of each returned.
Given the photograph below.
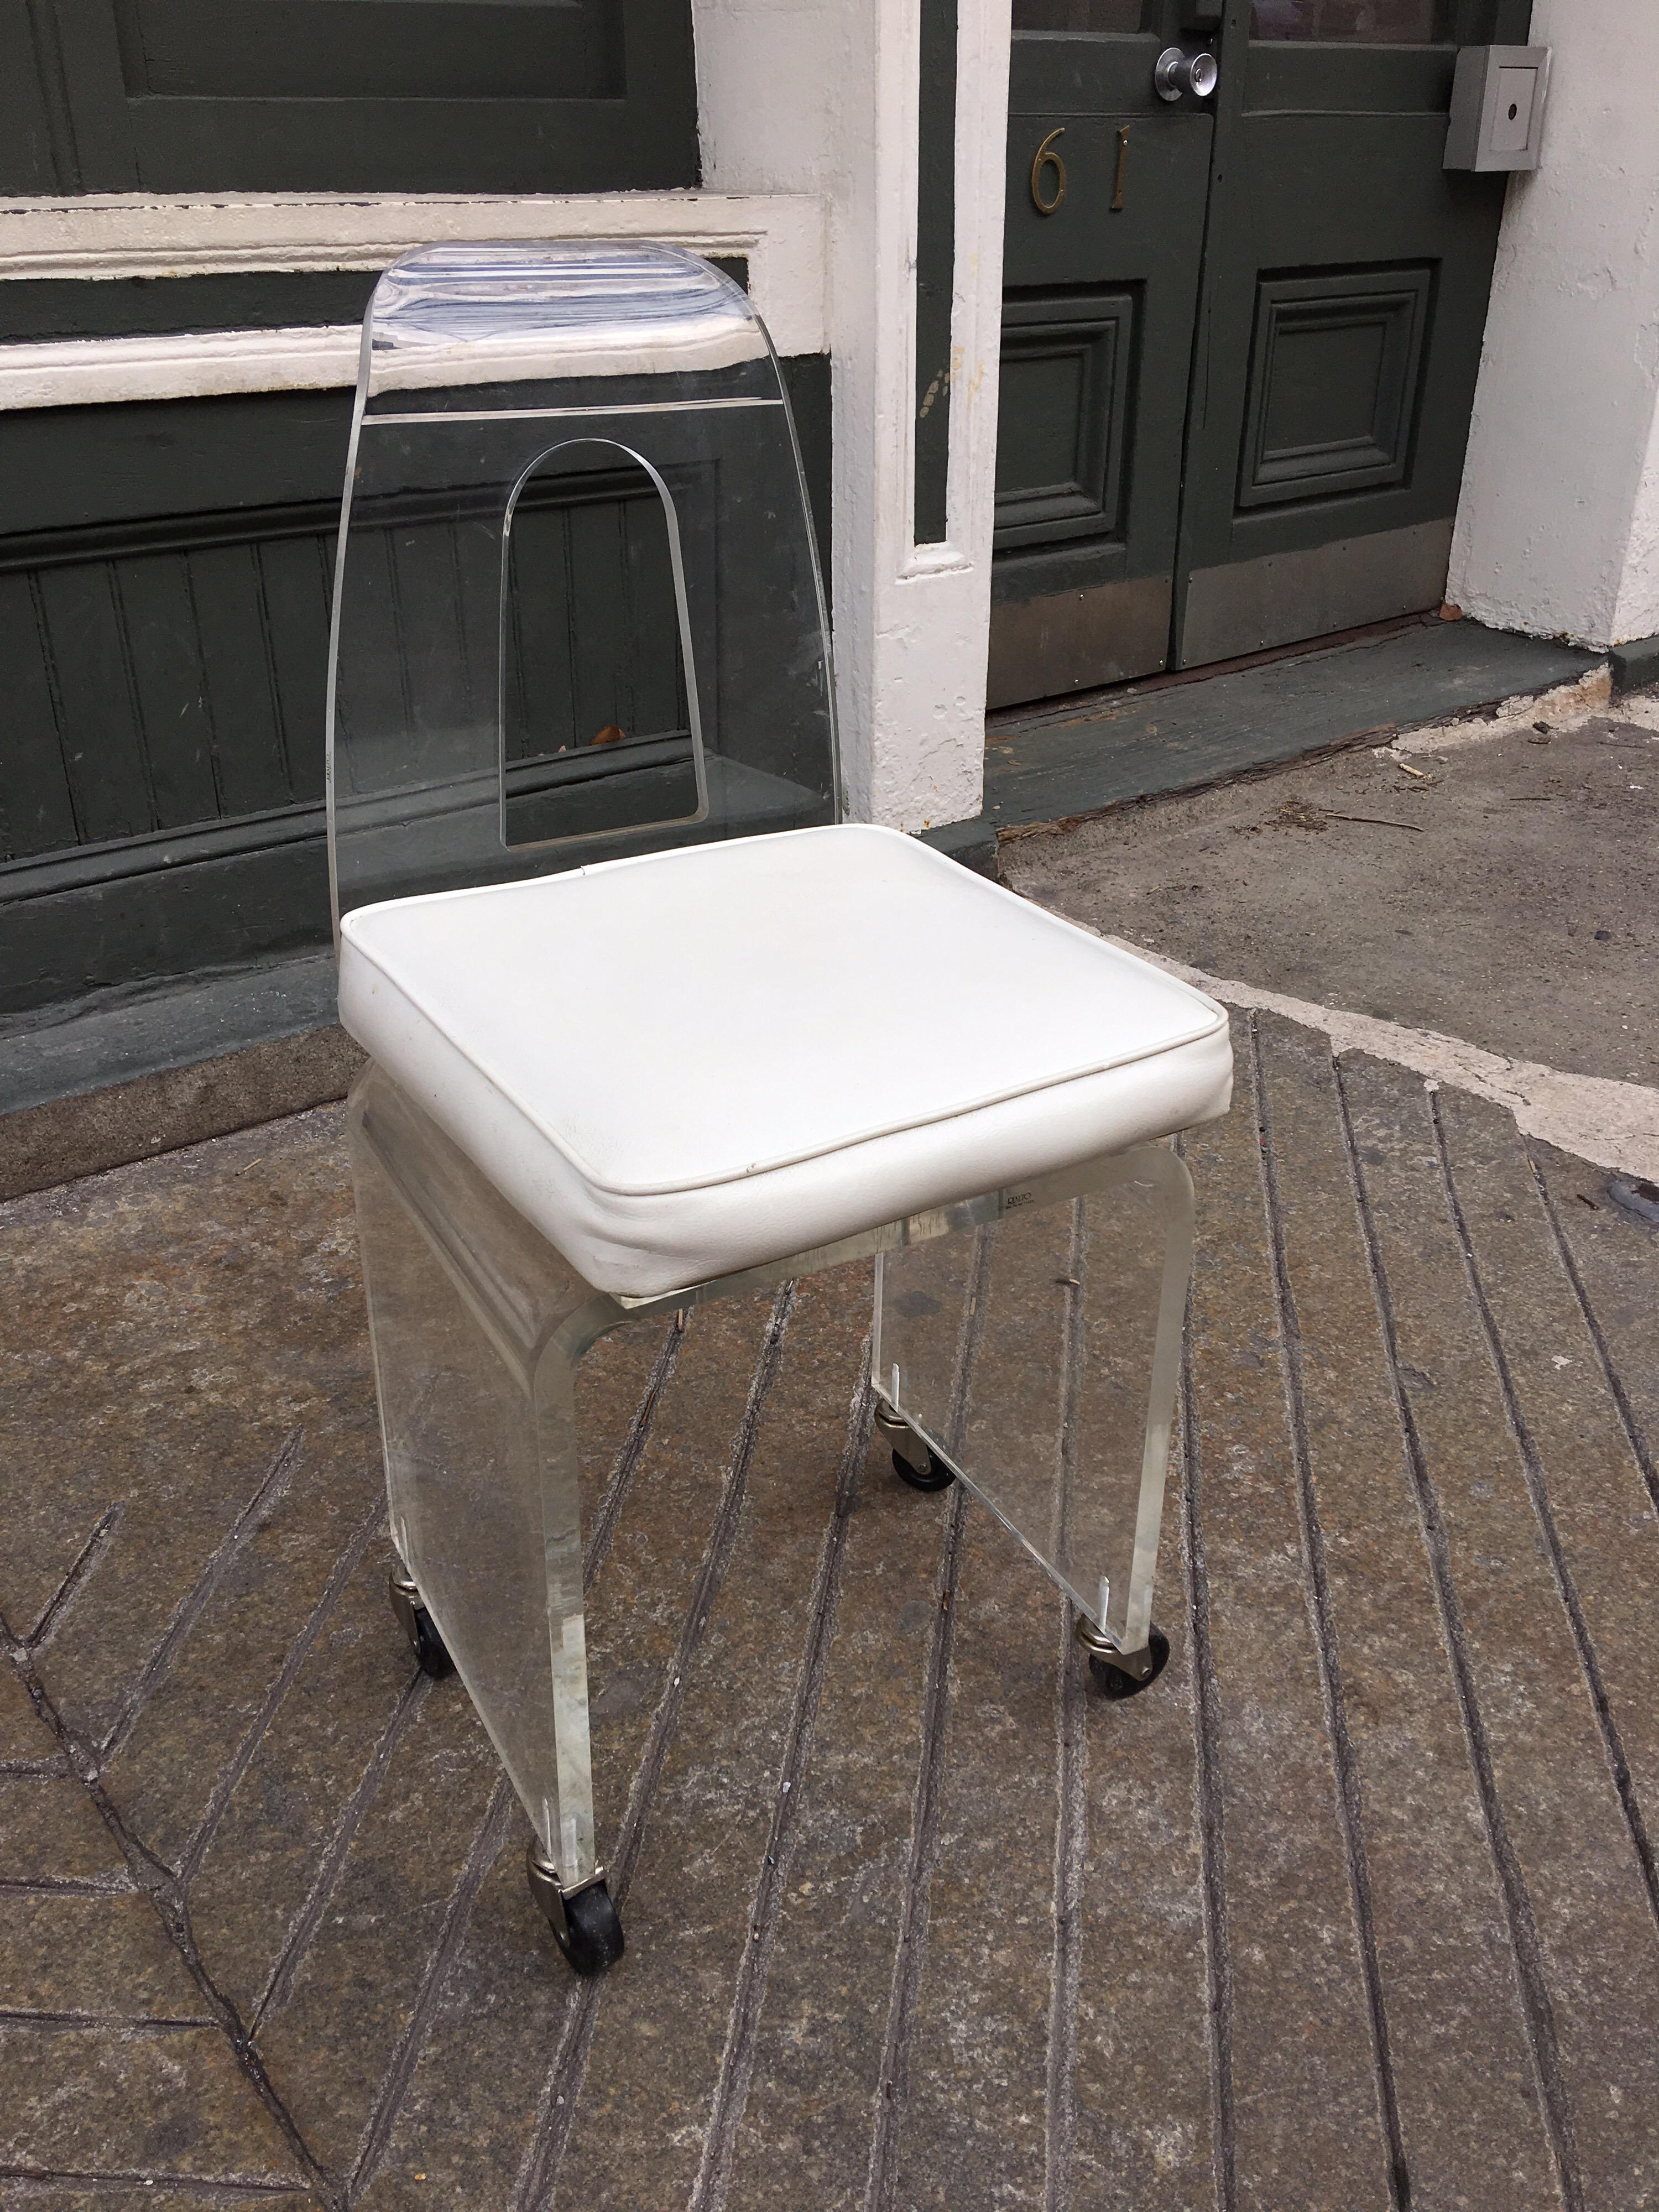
(1117, 1674)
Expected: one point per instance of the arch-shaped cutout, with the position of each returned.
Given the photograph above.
(600, 722)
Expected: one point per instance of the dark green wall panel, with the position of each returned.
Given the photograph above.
(253, 300)
(119, 306)
(372, 96)
(332, 49)
(164, 688)
(67, 469)
(133, 931)
(165, 649)
(34, 126)
(37, 807)
(168, 692)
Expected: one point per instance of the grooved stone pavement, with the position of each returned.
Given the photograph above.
(1357, 1908)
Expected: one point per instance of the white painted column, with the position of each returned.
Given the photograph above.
(823, 98)
(1558, 528)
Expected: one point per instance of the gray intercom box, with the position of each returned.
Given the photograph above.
(1496, 118)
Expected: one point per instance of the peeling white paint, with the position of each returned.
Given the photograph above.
(1641, 708)
(1561, 708)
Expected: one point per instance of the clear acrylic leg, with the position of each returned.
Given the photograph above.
(1035, 1345)
(478, 1325)
(1032, 1337)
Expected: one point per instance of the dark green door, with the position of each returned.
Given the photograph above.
(1098, 336)
(1333, 336)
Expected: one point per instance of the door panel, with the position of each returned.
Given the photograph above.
(1332, 383)
(1416, 22)
(1383, 79)
(1067, 359)
(1097, 336)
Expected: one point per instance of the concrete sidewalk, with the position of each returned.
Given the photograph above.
(1496, 888)
(1356, 1908)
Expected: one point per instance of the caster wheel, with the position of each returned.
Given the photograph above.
(591, 1937)
(938, 1477)
(898, 1433)
(431, 1654)
(1115, 1682)
(586, 1927)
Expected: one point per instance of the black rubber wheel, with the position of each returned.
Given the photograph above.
(1112, 1682)
(938, 1477)
(591, 1937)
(431, 1652)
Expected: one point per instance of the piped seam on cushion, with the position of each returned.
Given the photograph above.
(483, 1066)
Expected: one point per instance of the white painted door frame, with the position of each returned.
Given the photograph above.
(793, 98)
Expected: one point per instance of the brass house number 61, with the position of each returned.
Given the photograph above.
(1049, 190)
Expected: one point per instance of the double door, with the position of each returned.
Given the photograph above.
(1242, 328)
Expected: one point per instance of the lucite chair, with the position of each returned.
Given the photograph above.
(648, 1023)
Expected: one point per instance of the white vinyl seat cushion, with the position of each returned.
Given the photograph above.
(699, 1061)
